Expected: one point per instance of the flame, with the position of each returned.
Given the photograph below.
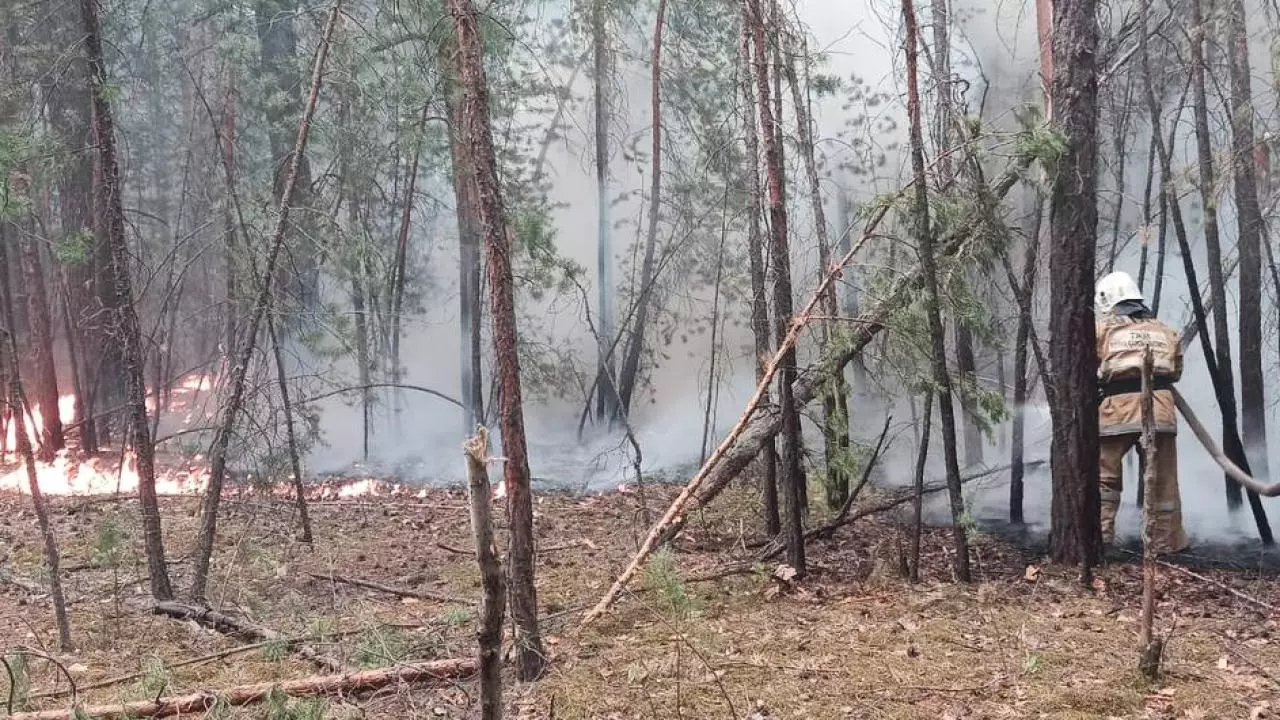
(66, 475)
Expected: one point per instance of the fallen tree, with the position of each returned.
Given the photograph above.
(759, 423)
(239, 627)
(203, 701)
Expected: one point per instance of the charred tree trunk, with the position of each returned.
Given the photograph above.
(756, 252)
(478, 139)
(1076, 533)
(789, 476)
(928, 264)
(125, 321)
(835, 396)
(1212, 242)
(240, 369)
(1030, 263)
(635, 343)
(1253, 401)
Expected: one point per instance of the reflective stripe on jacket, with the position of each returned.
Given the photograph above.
(1121, 342)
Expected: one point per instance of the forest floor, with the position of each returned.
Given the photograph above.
(851, 641)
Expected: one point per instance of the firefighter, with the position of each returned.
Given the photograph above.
(1125, 328)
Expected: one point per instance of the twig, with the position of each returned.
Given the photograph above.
(1228, 588)
(233, 626)
(402, 592)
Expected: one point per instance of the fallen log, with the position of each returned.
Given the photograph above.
(390, 590)
(759, 423)
(896, 499)
(241, 628)
(200, 702)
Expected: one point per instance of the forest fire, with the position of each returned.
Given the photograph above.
(68, 474)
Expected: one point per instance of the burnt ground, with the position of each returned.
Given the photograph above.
(851, 641)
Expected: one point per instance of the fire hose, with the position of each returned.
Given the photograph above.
(1232, 470)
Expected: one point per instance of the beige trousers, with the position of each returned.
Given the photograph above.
(1167, 533)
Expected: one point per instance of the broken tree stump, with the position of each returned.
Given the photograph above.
(493, 605)
(196, 703)
(241, 628)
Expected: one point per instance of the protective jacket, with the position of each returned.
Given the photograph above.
(1122, 339)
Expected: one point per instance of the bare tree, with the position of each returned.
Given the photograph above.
(240, 370)
(928, 265)
(635, 342)
(1212, 243)
(1253, 403)
(606, 405)
(756, 251)
(835, 396)
(40, 347)
(478, 139)
(789, 476)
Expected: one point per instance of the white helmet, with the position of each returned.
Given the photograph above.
(1115, 288)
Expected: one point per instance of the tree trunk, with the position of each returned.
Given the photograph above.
(1253, 397)
(14, 402)
(401, 264)
(278, 41)
(295, 458)
(40, 350)
(469, 304)
(70, 119)
(606, 404)
(917, 502)
(478, 138)
(756, 252)
(1030, 263)
(240, 370)
(108, 204)
(635, 343)
(928, 264)
(789, 476)
(493, 607)
(1076, 533)
(1209, 196)
(835, 396)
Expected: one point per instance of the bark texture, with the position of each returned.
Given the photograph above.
(478, 138)
(789, 475)
(1075, 535)
(493, 606)
(756, 252)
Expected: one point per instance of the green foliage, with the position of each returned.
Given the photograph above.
(279, 706)
(155, 679)
(110, 543)
(275, 650)
(382, 646)
(1044, 144)
(74, 248)
(663, 578)
(454, 617)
